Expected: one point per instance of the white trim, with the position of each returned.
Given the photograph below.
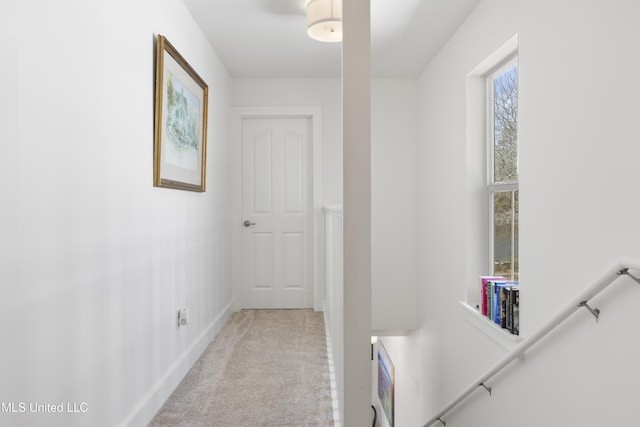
(501, 336)
(335, 403)
(315, 114)
(479, 247)
(489, 113)
(494, 186)
(499, 56)
(153, 400)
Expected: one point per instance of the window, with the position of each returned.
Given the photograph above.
(492, 169)
(502, 187)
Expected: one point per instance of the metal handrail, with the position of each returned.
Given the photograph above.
(620, 269)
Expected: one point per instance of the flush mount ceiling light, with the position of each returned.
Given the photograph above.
(324, 20)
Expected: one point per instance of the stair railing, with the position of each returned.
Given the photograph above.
(581, 301)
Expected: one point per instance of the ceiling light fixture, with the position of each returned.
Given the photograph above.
(324, 20)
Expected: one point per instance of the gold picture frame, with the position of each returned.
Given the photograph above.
(180, 137)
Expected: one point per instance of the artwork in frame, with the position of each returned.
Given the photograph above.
(180, 144)
(386, 383)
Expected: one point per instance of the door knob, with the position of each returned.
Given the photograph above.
(248, 223)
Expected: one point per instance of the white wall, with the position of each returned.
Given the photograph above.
(394, 126)
(579, 63)
(394, 215)
(95, 260)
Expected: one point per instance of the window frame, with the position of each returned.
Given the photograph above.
(493, 187)
(478, 262)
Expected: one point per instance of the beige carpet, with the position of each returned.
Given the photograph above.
(265, 368)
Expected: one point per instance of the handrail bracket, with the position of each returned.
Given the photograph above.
(485, 387)
(594, 311)
(625, 272)
(443, 423)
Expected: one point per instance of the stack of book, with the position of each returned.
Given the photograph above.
(501, 302)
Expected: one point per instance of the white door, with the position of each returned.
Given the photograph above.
(276, 237)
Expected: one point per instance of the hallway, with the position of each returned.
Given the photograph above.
(265, 368)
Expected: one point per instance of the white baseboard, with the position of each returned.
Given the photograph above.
(145, 410)
(335, 403)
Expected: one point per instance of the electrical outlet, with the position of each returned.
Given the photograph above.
(183, 317)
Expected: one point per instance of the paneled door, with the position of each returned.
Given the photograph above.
(276, 234)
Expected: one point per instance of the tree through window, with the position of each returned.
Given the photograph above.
(503, 182)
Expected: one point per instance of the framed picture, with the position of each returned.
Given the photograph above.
(386, 383)
(180, 144)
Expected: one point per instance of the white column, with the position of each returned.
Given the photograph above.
(356, 93)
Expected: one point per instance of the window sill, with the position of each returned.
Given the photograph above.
(490, 329)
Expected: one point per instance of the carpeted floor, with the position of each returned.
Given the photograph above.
(265, 368)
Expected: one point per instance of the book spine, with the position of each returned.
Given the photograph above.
(516, 312)
(509, 314)
(487, 291)
(483, 296)
(490, 298)
(504, 290)
(496, 304)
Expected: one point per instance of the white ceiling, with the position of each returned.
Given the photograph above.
(268, 39)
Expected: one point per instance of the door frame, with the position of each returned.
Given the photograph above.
(317, 236)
